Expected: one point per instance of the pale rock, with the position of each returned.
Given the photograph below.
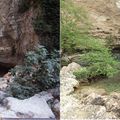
(45, 95)
(69, 84)
(8, 114)
(118, 4)
(112, 104)
(73, 67)
(95, 111)
(89, 99)
(115, 95)
(110, 115)
(63, 69)
(70, 68)
(34, 107)
(101, 112)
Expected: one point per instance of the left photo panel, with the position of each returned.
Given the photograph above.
(29, 59)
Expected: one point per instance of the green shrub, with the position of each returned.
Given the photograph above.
(99, 63)
(74, 25)
(74, 34)
(81, 74)
(39, 72)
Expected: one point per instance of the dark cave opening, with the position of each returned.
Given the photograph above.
(4, 70)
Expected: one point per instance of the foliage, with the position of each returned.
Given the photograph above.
(39, 72)
(74, 34)
(81, 74)
(99, 63)
(74, 26)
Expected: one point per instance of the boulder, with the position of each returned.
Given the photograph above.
(68, 80)
(111, 115)
(115, 95)
(34, 107)
(8, 114)
(95, 111)
(68, 85)
(73, 67)
(112, 104)
(98, 101)
(70, 68)
(91, 99)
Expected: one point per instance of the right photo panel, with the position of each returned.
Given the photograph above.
(90, 59)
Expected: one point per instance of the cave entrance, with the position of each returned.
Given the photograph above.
(4, 70)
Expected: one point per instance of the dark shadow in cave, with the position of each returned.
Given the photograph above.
(116, 50)
(4, 70)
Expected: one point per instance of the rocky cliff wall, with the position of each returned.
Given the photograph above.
(105, 18)
(17, 34)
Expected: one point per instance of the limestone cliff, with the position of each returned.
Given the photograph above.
(105, 18)
(17, 34)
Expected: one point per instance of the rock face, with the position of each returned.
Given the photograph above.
(105, 18)
(87, 102)
(17, 34)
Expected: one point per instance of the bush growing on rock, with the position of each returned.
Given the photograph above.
(39, 72)
(74, 25)
(75, 35)
(99, 63)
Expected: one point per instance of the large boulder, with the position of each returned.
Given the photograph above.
(34, 107)
(70, 68)
(112, 104)
(68, 80)
(93, 99)
(68, 85)
(115, 95)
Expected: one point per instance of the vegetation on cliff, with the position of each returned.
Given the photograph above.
(97, 57)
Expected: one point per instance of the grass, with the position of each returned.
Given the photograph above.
(110, 85)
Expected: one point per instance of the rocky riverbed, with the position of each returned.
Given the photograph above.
(86, 102)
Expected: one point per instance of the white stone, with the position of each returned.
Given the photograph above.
(35, 106)
(70, 68)
(8, 114)
(118, 4)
